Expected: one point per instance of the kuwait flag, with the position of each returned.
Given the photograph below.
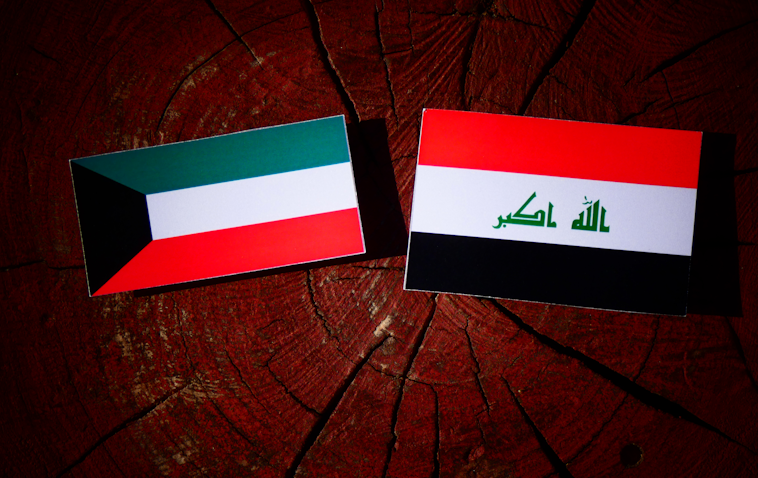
(562, 212)
(213, 207)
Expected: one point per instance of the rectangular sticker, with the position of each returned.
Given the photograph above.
(242, 202)
(554, 211)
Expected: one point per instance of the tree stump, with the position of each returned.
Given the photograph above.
(334, 370)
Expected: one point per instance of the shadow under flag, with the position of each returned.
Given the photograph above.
(714, 268)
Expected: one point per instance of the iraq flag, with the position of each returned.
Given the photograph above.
(563, 212)
(218, 206)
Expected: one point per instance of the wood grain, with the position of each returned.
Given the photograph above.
(334, 370)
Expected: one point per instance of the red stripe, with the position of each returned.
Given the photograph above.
(240, 249)
(569, 149)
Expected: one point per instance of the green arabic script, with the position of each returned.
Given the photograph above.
(520, 218)
(591, 219)
(594, 211)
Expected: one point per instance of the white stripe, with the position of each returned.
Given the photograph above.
(252, 201)
(466, 202)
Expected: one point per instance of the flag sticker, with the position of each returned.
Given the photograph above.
(219, 206)
(554, 211)
(536, 219)
(592, 214)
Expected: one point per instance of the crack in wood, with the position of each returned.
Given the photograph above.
(199, 470)
(510, 16)
(65, 268)
(326, 414)
(558, 53)
(21, 265)
(598, 432)
(566, 85)
(552, 456)
(477, 369)
(382, 53)
(650, 350)
(479, 426)
(381, 372)
(630, 116)
(503, 108)
(482, 7)
(674, 104)
(187, 77)
(317, 309)
(565, 112)
(123, 426)
(437, 439)
(602, 92)
(467, 55)
(244, 382)
(289, 392)
(114, 462)
(182, 335)
(233, 30)
(326, 58)
(741, 352)
(229, 422)
(635, 72)
(437, 435)
(740, 172)
(347, 278)
(246, 333)
(637, 391)
(420, 338)
(689, 51)
(96, 18)
(270, 324)
(671, 97)
(410, 22)
(208, 60)
(43, 54)
(613, 414)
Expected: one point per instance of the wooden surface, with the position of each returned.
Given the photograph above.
(334, 370)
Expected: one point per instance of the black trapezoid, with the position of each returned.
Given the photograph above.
(114, 223)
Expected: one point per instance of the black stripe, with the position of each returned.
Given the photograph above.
(578, 276)
(114, 223)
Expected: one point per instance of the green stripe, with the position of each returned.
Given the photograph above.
(250, 154)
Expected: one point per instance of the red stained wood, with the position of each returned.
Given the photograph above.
(335, 370)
